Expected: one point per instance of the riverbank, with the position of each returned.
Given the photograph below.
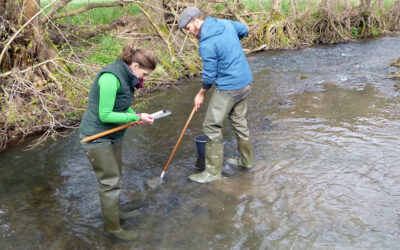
(45, 105)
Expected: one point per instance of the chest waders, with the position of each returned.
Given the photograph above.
(106, 163)
(104, 153)
(234, 105)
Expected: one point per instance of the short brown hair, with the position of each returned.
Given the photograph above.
(144, 57)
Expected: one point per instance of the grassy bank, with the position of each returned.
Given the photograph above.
(308, 23)
(88, 41)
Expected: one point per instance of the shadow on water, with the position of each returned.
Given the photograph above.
(325, 124)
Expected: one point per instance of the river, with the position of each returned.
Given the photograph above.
(325, 123)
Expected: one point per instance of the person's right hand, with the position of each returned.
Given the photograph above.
(146, 118)
(198, 100)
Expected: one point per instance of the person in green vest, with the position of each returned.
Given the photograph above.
(110, 98)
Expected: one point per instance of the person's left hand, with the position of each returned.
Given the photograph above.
(146, 118)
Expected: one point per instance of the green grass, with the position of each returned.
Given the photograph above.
(107, 51)
(106, 15)
(265, 5)
(97, 15)
(259, 5)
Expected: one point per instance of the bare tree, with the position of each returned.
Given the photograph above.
(25, 40)
(345, 3)
(380, 4)
(326, 4)
(294, 8)
(366, 5)
(276, 5)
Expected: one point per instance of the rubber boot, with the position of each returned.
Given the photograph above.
(108, 174)
(245, 148)
(213, 163)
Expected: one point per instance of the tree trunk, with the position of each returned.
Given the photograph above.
(308, 6)
(29, 46)
(366, 5)
(293, 4)
(380, 4)
(345, 4)
(326, 4)
(276, 5)
(2, 7)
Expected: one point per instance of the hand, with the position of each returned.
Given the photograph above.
(198, 100)
(137, 123)
(146, 118)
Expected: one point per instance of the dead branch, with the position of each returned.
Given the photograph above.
(28, 69)
(159, 31)
(88, 7)
(261, 48)
(148, 5)
(56, 8)
(183, 44)
(230, 9)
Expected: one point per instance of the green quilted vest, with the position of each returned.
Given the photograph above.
(91, 123)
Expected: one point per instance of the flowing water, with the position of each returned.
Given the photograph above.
(325, 124)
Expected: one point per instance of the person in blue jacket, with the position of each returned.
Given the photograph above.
(226, 66)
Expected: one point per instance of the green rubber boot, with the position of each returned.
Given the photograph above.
(213, 163)
(245, 148)
(107, 169)
(121, 234)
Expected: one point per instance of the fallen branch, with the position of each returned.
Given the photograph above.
(148, 5)
(261, 48)
(230, 9)
(337, 31)
(56, 8)
(30, 68)
(88, 7)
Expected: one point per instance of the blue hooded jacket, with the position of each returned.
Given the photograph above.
(224, 62)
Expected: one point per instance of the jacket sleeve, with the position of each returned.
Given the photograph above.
(210, 65)
(109, 85)
(241, 29)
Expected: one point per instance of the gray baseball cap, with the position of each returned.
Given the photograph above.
(187, 15)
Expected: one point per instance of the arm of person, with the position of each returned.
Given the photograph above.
(209, 75)
(109, 85)
(241, 29)
(210, 65)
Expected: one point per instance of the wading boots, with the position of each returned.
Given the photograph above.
(245, 148)
(213, 163)
(107, 167)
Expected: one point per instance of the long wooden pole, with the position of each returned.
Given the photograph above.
(110, 131)
(178, 142)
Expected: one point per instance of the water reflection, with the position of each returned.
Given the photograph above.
(325, 123)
